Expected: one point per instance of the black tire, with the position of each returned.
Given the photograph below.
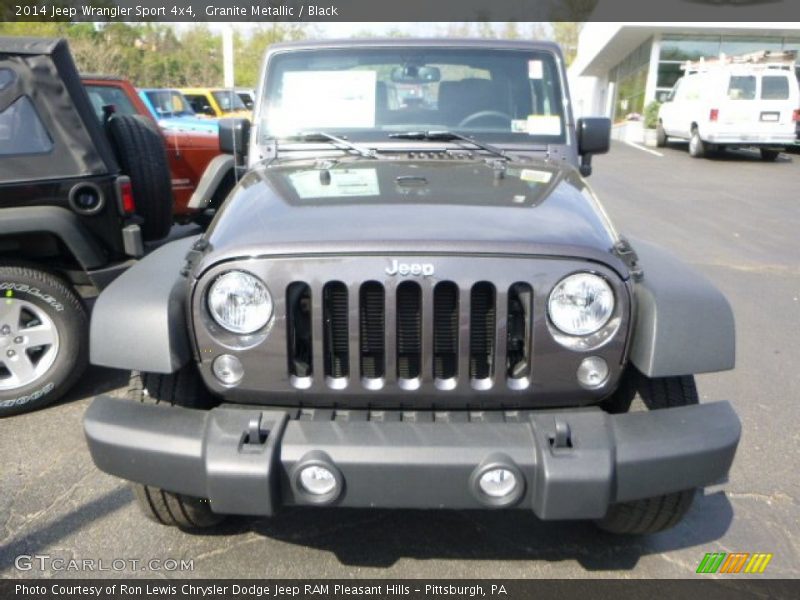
(650, 515)
(697, 147)
(183, 388)
(142, 154)
(661, 136)
(769, 155)
(59, 302)
(647, 516)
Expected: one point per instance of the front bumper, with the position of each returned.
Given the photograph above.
(573, 463)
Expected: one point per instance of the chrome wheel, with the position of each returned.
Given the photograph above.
(28, 343)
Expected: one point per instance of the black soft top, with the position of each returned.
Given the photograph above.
(44, 73)
(29, 45)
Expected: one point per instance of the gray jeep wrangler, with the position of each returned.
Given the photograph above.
(413, 299)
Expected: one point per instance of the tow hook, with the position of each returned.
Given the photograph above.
(563, 436)
(256, 435)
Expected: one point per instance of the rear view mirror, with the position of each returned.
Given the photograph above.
(416, 74)
(594, 137)
(234, 137)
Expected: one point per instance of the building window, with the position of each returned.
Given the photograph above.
(683, 47)
(736, 46)
(630, 79)
(791, 44)
(630, 94)
(668, 74)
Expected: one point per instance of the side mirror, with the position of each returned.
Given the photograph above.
(234, 137)
(594, 137)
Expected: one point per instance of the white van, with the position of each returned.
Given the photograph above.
(740, 101)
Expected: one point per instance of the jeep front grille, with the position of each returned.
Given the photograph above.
(351, 331)
(372, 323)
(335, 342)
(408, 335)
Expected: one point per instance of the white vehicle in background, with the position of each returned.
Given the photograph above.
(742, 101)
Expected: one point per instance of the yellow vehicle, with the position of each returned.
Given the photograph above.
(216, 102)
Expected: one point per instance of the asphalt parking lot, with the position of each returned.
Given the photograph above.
(733, 217)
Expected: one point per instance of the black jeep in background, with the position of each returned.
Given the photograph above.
(77, 199)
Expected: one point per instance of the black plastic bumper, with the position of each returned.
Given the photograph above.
(574, 463)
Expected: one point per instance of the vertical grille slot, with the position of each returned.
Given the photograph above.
(518, 334)
(409, 331)
(372, 318)
(482, 334)
(445, 331)
(335, 336)
(298, 332)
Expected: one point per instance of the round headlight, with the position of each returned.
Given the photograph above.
(239, 302)
(581, 304)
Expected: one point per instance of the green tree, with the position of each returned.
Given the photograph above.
(566, 33)
(249, 51)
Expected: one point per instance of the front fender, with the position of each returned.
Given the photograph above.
(212, 178)
(684, 325)
(60, 222)
(138, 322)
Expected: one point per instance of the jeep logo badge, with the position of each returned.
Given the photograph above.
(404, 269)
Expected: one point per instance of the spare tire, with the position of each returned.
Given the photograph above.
(142, 155)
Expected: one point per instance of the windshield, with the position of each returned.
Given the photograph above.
(368, 93)
(169, 103)
(247, 99)
(228, 101)
(104, 95)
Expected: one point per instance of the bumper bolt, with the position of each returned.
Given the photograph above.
(19, 339)
(11, 354)
(5, 329)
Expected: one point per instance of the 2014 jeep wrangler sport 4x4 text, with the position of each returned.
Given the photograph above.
(412, 299)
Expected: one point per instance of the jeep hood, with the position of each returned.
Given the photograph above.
(402, 205)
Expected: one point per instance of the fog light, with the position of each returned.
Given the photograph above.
(592, 372)
(228, 369)
(498, 483)
(317, 480)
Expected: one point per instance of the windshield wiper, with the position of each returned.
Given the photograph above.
(444, 136)
(322, 136)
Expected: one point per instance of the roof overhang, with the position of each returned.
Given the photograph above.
(608, 44)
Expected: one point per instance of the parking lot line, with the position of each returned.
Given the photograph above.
(643, 149)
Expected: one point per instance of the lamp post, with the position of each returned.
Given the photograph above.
(227, 55)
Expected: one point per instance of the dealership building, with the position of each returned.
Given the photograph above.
(621, 67)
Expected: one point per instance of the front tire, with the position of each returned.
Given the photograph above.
(769, 155)
(661, 136)
(182, 388)
(697, 147)
(43, 338)
(650, 515)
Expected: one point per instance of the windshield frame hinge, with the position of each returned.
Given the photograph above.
(625, 252)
